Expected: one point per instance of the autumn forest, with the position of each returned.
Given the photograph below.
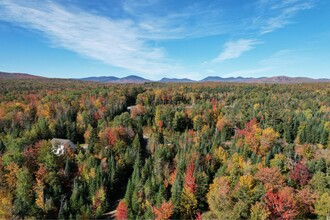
(164, 150)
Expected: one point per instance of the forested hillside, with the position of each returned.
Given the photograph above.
(191, 151)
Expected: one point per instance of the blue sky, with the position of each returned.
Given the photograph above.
(165, 38)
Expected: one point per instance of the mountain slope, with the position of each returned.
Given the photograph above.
(168, 80)
(132, 79)
(138, 79)
(100, 79)
(286, 79)
(5, 75)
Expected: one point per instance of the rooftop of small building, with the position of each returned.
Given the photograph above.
(61, 141)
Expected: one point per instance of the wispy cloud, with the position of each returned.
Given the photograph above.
(115, 42)
(278, 14)
(234, 49)
(270, 16)
(130, 41)
(192, 21)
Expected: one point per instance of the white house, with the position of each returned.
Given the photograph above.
(60, 145)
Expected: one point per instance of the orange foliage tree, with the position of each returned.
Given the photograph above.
(121, 211)
(270, 177)
(164, 212)
(190, 184)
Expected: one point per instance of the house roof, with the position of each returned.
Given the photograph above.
(61, 141)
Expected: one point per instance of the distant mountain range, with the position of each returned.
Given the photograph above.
(137, 79)
(112, 79)
(4, 75)
(274, 79)
(168, 80)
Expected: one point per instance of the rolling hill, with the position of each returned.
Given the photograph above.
(5, 75)
(168, 80)
(138, 79)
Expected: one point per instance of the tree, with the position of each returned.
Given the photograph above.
(164, 212)
(267, 139)
(5, 204)
(198, 122)
(300, 173)
(281, 203)
(259, 212)
(188, 204)
(98, 201)
(219, 198)
(305, 200)
(121, 211)
(320, 183)
(11, 175)
(179, 121)
(190, 183)
(270, 177)
(322, 206)
(24, 197)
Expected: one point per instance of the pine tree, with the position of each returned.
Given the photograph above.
(24, 198)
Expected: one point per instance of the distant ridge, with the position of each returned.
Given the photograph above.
(286, 79)
(100, 79)
(112, 79)
(167, 80)
(220, 79)
(138, 79)
(132, 79)
(274, 79)
(5, 75)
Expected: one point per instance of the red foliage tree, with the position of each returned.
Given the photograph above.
(160, 123)
(198, 216)
(251, 135)
(96, 116)
(249, 128)
(282, 204)
(190, 184)
(110, 136)
(300, 173)
(30, 155)
(121, 211)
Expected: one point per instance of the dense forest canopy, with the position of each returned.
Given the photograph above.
(181, 151)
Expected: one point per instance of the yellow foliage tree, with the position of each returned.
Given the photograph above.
(220, 155)
(246, 181)
(267, 138)
(39, 190)
(5, 204)
(188, 204)
(219, 199)
(259, 212)
(279, 162)
(10, 177)
(322, 206)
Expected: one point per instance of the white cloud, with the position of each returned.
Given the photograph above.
(130, 40)
(234, 49)
(280, 14)
(115, 42)
(272, 15)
